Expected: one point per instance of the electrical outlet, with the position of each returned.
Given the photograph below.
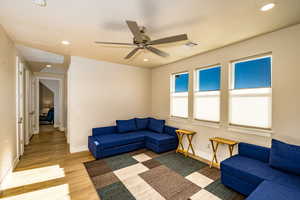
(208, 146)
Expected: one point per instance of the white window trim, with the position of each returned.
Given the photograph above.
(243, 128)
(178, 94)
(232, 69)
(208, 93)
(252, 131)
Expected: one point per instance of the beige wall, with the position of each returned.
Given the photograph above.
(285, 48)
(8, 104)
(46, 97)
(100, 93)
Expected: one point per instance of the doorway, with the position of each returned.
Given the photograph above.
(49, 102)
(48, 93)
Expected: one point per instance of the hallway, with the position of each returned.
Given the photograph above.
(48, 171)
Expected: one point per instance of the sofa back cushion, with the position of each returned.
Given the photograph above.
(104, 130)
(141, 123)
(124, 126)
(156, 125)
(285, 157)
(254, 151)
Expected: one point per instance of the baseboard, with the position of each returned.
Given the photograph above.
(78, 149)
(61, 129)
(55, 125)
(203, 157)
(36, 131)
(8, 174)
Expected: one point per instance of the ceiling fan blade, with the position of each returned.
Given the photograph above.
(132, 53)
(115, 43)
(157, 51)
(135, 30)
(170, 39)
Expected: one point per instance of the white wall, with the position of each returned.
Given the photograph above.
(285, 48)
(8, 154)
(53, 85)
(100, 93)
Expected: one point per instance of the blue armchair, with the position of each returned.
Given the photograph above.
(49, 119)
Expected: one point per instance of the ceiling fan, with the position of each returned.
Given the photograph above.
(143, 41)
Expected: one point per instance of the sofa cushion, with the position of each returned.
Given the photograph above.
(285, 157)
(124, 126)
(254, 151)
(289, 180)
(160, 139)
(157, 138)
(116, 139)
(104, 130)
(249, 170)
(141, 123)
(273, 191)
(156, 125)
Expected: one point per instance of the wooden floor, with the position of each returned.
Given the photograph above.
(48, 171)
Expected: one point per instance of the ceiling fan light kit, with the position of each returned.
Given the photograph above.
(143, 41)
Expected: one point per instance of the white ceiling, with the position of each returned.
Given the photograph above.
(211, 23)
(36, 55)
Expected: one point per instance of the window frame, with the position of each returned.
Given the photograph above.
(231, 84)
(196, 90)
(172, 91)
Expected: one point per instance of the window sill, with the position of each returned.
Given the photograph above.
(177, 117)
(251, 131)
(211, 124)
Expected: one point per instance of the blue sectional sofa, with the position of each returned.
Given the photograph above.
(263, 173)
(129, 135)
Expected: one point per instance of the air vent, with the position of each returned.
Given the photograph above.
(42, 3)
(190, 44)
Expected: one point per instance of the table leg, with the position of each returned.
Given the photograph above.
(180, 137)
(190, 138)
(230, 149)
(214, 148)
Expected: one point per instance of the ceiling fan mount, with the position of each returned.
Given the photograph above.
(143, 41)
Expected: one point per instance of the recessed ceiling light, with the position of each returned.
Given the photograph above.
(48, 66)
(267, 7)
(146, 59)
(42, 3)
(65, 42)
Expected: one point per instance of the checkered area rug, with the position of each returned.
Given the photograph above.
(146, 175)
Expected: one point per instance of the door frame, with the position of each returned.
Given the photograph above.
(20, 106)
(29, 106)
(61, 100)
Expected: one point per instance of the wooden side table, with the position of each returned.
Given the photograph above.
(217, 141)
(189, 134)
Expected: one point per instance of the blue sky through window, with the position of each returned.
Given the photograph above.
(182, 82)
(209, 79)
(253, 74)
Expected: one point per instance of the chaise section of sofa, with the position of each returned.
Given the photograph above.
(274, 191)
(107, 141)
(250, 173)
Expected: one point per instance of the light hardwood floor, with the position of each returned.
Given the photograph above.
(48, 171)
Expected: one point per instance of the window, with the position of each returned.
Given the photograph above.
(251, 93)
(179, 94)
(207, 94)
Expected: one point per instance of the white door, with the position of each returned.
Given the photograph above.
(20, 107)
(32, 106)
(28, 109)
